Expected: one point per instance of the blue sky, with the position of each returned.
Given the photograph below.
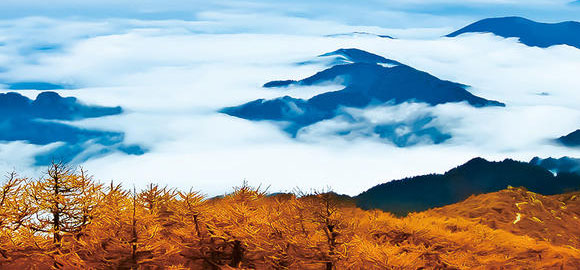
(383, 13)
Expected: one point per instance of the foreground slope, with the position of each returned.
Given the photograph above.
(555, 218)
(109, 227)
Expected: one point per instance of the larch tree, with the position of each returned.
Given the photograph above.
(13, 209)
(64, 202)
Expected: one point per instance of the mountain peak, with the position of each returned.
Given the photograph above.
(368, 79)
(571, 140)
(529, 32)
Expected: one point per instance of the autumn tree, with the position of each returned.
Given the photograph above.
(191, 230)
(13, 209)
(324, 211)
(63, 202)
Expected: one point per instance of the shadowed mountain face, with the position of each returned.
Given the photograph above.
(561, 165)
(474, 177)
(529, 32)
(571, 140)
(39, 122)
(369, 80)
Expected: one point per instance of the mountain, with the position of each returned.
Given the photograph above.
(50, 106)
(571, 140)
(32, 85)
(369, 80)
(39, 122)
(474, 177)
(359, 34)
(529, 32)
(561, 165)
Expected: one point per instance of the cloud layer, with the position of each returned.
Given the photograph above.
(172, 77)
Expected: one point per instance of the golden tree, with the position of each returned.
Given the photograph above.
(63, 203)
(13, 209)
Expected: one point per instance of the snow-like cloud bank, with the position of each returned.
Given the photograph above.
(172, 76)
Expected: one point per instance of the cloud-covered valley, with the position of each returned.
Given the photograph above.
(172, 77)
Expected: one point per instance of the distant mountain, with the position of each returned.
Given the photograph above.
(571, 140)
(561, 165)
(50, 106)
(369, 79)
(474, 177)
(39, 122)
(33, 85)
(355, 34)
(529, 32)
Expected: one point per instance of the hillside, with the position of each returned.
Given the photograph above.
(555, 218)
(474, 177)
(96, 226)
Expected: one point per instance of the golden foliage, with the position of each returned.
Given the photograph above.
(68, 221)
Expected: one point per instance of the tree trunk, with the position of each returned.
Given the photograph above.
(237, 254)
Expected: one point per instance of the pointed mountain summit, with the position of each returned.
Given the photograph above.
(369, 79)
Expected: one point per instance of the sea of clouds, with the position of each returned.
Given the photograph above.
(172, 76)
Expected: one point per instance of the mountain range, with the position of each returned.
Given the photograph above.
(34, 85)
(47, 120)
(477, 176)
(369, 80)
(527, 31)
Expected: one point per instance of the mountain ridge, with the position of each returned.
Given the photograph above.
(529, 32)
(368, 79)
(477, 176)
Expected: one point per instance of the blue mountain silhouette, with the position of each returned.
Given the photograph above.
(529, 32)
(477, 176)
(560, 165)
(571, 140)
(34, 85)
(39, 122)
(369, 79)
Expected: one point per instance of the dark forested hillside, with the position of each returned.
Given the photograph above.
(474, 177)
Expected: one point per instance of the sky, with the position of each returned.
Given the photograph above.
(172, 65)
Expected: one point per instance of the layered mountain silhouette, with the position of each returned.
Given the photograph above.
(477, 176)
(571, 140)
(369, 80)
(560, 165)
(34, 85)
(358, 33)
(41, 122)
(529, 32)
